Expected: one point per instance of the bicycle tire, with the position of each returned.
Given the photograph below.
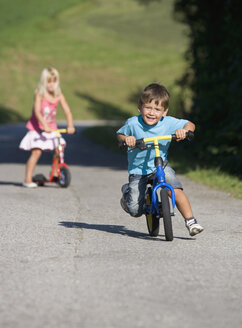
(65, 177)
(153, 223)
(39, 179)
(166, 215)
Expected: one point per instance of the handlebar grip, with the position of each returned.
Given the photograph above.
(139, 144)
(189, 135)
(122, 145)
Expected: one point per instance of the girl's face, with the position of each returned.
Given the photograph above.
(152, 113)
(51, 84)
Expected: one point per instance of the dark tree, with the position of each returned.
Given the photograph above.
(214, 77)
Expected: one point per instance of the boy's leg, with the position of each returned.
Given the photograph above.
(182, 202)
(134, 195)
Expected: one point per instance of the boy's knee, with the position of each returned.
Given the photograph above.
(178, 192)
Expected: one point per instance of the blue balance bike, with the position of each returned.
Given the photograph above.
(157, 203)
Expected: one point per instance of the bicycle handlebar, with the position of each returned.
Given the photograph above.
(57, 130)
(60, 130)
(141, 143)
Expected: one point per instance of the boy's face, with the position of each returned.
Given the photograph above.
(152, 113)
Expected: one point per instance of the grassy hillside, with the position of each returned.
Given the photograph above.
(105, 50)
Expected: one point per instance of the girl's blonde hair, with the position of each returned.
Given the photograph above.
(47, 73)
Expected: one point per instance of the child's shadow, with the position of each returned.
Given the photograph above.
(20, 184)
(115, 229)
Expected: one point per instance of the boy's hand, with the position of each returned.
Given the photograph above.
(180, 134)
(130, 141)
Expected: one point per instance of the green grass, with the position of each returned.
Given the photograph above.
(187, 165)
(106, 52)
(217, 179)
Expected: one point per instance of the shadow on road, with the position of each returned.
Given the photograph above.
(10, 183)
(79, 151)
(115, 229)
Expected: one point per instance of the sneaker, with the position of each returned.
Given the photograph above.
(193, 227)
(30, 185)
(124, 205)
(125, 188)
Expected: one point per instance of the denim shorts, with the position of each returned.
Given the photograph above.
(135, 194)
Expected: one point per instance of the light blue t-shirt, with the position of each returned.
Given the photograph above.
(142, 161)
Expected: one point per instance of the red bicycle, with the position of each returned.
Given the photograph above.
(64, 175)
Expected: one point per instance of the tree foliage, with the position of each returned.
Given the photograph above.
(214, 77)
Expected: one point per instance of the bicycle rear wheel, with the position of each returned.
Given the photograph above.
(153, 223)
(166, 215)
(40, 179)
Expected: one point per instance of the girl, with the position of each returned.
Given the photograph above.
(47, 97)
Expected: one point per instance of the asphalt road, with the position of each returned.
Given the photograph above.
(73, 258)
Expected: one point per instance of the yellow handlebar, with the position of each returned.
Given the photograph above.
(156, 143)
(60, 130)
(167, 137)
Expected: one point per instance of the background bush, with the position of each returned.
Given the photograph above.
(214, 78)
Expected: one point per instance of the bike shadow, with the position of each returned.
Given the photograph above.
(20, 184)
(115, 229)
(10, 183)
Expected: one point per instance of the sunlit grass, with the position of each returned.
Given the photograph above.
(217, 179)
(105, 50)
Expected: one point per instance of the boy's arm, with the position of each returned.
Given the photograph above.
(128, 140)
(189, 126)
(181, 133)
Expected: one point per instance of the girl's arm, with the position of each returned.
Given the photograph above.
(68, 114)
(37, 108)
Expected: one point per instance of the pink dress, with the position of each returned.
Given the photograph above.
(34, 138)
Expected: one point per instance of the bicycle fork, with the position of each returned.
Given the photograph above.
(159, 182)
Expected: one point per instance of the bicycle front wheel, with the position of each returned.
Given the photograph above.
(166, 214)
(65, 177)
(153, 223)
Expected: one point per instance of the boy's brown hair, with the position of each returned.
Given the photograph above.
(154, 91)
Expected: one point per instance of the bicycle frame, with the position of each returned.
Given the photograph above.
(60, 170)
(159, 179)
(60, 155)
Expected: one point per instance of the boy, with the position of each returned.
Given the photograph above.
(153, 121)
